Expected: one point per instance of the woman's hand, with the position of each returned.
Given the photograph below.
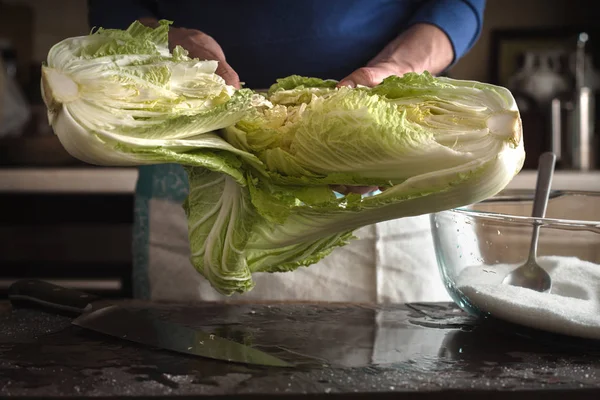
(201, 46)
(422, 47)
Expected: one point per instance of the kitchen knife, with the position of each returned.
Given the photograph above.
(139, 326)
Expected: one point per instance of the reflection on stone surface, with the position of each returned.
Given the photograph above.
(336, 348)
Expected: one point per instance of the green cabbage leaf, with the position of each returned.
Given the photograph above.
(261, 165)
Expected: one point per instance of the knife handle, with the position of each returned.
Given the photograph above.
(33, 293)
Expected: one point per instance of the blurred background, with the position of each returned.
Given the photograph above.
(545, 51)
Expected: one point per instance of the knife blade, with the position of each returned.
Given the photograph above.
(139, 326)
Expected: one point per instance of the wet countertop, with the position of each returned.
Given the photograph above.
(432, 351)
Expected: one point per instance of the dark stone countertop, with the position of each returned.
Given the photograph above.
(339, 351)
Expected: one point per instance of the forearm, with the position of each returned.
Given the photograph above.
(423, 47)
(460, 20)
(437, 35)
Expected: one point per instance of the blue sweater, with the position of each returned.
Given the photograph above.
(267, 39)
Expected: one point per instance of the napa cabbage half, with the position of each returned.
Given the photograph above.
(261, 165)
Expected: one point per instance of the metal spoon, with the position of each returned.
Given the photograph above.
(530, 275)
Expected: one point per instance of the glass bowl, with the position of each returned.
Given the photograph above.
(488, 239)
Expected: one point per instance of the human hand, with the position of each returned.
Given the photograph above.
(204, 47)
(375, 72)
(422, 47)
(371, 75)
(201, 46)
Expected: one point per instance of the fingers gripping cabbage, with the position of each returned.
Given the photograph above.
(121, 98)
(260, 166)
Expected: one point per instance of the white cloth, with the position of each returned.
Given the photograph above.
(390, 262)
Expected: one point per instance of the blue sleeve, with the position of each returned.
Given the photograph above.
(461, 21)
(118, 14)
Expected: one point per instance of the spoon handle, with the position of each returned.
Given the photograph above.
(542, 186)
(545, 173)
